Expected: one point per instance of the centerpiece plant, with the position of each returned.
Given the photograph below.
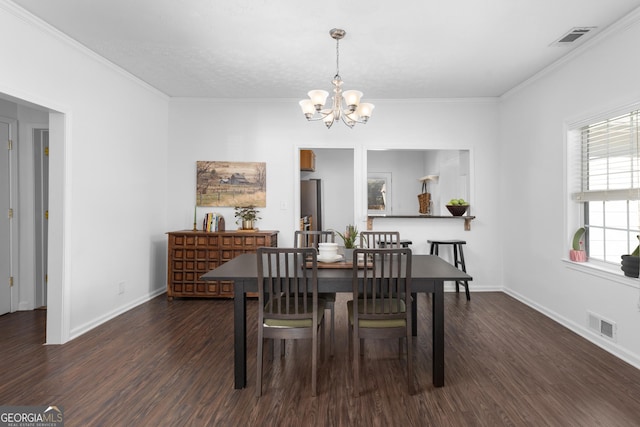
(349, 238)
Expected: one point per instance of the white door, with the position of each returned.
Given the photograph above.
(5, 220)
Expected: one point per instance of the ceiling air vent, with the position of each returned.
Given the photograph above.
(573, 35)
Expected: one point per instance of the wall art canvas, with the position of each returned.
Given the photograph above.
(231, 184)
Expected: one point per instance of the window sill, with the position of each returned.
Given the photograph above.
(603, 271)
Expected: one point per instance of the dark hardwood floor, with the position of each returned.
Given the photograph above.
(171, 364)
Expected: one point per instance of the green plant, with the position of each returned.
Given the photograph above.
(246, 213)
(577, 239)
(349, 237)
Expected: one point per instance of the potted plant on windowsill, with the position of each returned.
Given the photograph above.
(349, 239)
(631, 263)
(578, 254)
(246, 217)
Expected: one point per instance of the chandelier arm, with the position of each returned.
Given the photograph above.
(320, 115)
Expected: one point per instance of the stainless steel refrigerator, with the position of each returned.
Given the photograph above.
(311, 202)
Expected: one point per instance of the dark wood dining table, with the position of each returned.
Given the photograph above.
(428, 274)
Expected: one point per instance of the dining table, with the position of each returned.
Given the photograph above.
(428, 274)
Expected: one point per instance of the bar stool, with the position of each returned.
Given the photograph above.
(403, 243)
(458, 259)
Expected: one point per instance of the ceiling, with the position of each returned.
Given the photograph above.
(282, 49)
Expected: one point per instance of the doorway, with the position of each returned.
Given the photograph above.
(41, 213)
(7, 229)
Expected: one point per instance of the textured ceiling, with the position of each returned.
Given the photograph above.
(282, 49)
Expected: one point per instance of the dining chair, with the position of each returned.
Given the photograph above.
(310, 239)
(379, 239)
(381, 305)
(289, 307)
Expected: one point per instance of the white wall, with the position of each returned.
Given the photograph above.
(535, 204)
(205, 129)
(108, 173)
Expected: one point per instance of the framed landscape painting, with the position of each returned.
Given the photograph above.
(231, 184)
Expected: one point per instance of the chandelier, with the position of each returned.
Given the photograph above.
(345, 105)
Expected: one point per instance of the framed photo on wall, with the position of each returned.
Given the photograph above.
(231, 184)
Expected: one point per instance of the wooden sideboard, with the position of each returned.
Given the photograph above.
(193, 253)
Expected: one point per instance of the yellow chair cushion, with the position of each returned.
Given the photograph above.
(380, 307)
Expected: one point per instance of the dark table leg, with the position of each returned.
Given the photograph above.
(438, 335)
(240, 335)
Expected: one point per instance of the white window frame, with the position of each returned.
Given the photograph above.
(580, 196)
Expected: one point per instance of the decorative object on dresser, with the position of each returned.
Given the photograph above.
(193, 253)
(213, 221)
(246, 217)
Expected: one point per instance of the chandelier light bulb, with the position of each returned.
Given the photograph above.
(307, 108)
(364, 111)
(352, 99)
(318, 98)
(345, 105)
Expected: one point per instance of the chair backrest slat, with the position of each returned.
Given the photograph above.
(379, 239)
(311, 238)
(382, 283)
(287, 278)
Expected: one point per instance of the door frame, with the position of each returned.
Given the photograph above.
(40, 140)
(13, 254)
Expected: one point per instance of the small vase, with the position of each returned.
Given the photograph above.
(348, 254)
(247, 224)
(577, 255)
(630, 265)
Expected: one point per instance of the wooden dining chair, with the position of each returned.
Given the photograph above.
(310, 239)
(379, 239)
(381, 305)
(289, 307)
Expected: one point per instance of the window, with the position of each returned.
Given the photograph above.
(610, 186)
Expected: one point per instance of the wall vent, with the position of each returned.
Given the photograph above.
(604, 327)
(573, 35)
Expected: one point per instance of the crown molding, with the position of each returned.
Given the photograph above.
(618, 27)
(20, 13)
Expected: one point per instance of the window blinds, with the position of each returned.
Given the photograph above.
(610, 160)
